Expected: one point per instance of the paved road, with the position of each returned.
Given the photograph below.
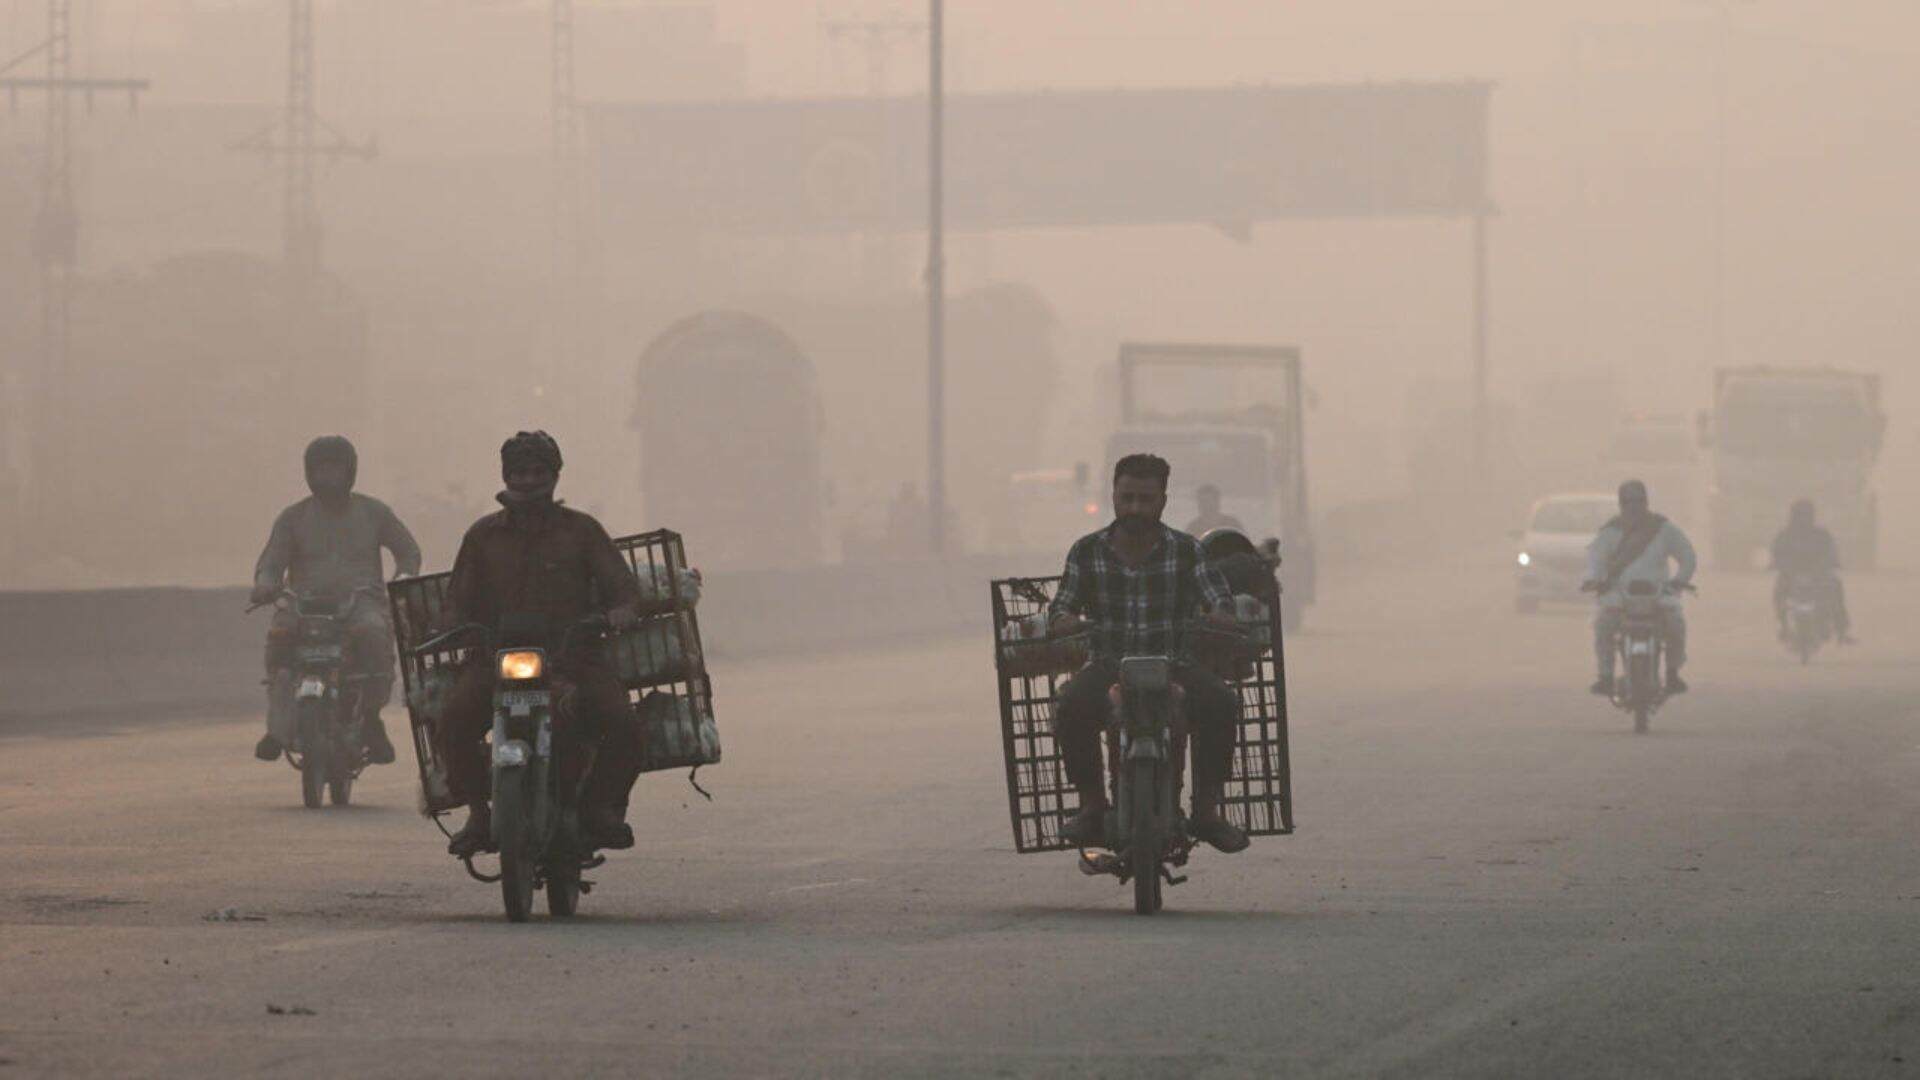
(1492, 877)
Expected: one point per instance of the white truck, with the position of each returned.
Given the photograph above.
(1230, 417)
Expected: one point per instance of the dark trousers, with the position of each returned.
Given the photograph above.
(1828, 588)
(592, 708)
(1080, 716)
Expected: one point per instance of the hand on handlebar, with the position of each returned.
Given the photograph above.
(1674, 588)
(1590, 586)
(622, 618)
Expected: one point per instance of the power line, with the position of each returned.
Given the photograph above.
(301, 139)
(56, 229)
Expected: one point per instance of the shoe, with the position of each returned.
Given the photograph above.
(1088, 828)
(1219, 833)
(374, 734)
(1602, 686)
(1676, 684)
(475, 836)
(604, 828)
(268, 748)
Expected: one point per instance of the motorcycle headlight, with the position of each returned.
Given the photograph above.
(1525, 559)
(520, 666)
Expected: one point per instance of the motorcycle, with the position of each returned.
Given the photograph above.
(536, 826)
(1808, 624)
(1146, 763)
(1639, 648)
(329, 748)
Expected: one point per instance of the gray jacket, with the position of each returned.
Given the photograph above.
(315, 548)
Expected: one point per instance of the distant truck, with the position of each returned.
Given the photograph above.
(1233, 417)
(1780, 434)
(729, 418)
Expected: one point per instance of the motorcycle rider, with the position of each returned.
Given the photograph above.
(1804, 549)
(536, 558)
(1637, 546)
(329, 543)
(1211, 518)
(1138, 580)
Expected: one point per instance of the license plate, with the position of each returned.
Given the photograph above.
(1640, 648)
(522, 702)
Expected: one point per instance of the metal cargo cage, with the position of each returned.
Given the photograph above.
(661, 661)
(1259, 792)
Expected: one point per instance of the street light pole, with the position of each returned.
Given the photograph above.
(1720, 185)
(936, 284)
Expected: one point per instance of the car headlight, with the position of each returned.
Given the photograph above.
(520, 666)
(1525, 559)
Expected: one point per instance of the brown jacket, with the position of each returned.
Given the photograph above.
(554, 562)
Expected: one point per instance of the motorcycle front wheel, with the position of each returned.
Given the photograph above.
(1642, 670)
(313, 754)
(1146, 835)
(513, 827)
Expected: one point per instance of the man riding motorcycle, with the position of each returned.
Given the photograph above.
(1805, 550)
(1207, 496)
(329, 544)
(1138, 581)
(1637, 546)
(538, 559)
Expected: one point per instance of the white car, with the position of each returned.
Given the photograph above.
(1552, 560)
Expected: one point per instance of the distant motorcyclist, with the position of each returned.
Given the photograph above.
(538, 559)
(1138, 581)
(1805, 550)
(1211, 517)
(1637, 545)
(329, 544)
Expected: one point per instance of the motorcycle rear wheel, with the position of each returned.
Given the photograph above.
(563, 889)
(514, 830)
(1146, 835)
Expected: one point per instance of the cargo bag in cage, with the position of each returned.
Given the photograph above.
(1030, 672)
(660, 661)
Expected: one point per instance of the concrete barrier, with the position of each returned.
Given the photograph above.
(170, 650)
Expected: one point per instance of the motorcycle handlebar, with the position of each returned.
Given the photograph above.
(440, 641)
(598, 624)
(289, 594)
(1671, 586)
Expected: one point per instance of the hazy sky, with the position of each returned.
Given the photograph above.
(1605, 123)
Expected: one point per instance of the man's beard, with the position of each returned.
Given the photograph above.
(1135, 523)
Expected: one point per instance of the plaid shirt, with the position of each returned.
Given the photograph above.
(1137, 610)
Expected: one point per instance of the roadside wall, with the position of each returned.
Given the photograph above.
(170, 650)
